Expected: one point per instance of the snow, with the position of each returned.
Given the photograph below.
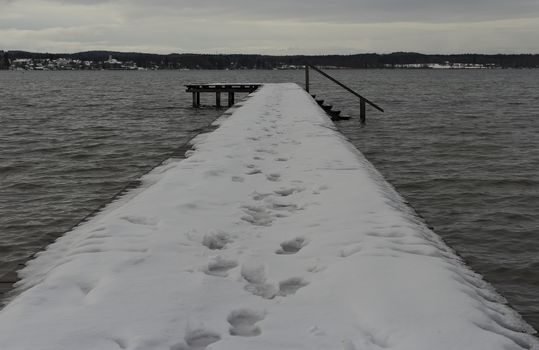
(275, 233)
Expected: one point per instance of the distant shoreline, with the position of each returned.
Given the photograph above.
(97, 60)
(254, 69)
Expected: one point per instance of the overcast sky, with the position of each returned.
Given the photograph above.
(271, 26)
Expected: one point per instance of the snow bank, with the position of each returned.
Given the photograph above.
(275, 233)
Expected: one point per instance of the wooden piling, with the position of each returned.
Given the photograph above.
(307, 78)
(230, 99)
(218, 99)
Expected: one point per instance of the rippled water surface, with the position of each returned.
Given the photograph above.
(461, 146)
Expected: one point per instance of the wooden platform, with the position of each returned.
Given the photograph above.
(219, 88)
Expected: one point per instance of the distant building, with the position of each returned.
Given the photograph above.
(445, 65)
(22, 63)
(112, 63)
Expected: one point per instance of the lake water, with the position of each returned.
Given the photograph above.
(461, 146)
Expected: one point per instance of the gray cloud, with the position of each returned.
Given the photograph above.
(332, 11)
(278, 26)
(349, 11)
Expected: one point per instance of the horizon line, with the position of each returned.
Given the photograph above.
(278, 55)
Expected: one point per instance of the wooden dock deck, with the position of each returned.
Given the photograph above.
(218, 89)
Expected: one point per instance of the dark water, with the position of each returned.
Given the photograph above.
(70, 140)
(461, 146)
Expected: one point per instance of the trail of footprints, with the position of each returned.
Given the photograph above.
(244, 322)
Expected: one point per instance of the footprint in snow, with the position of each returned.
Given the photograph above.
(260, 196)
(243, 322)
(274, 177)
(122, 343)
(254, 171)
(285, 192)
(213, 172)
(292, 246)
(350, 250)
(291, 286)
(197, 339)
(320, 189)
(216, 240)
(255, 275)
(385, 234)
(316, 268)
(86, 287)
(99, 229)
(139, 220)
(317, 331)
(237, 179)
(96, 237)
(257, 215)
(219, 266)
(285, 206)
(261, 150)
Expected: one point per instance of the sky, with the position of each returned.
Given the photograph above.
(281, 27)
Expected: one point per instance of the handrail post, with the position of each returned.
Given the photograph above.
(307, 77)
(362, 111)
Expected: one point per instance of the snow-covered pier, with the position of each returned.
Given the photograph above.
(273, 233)
(218, 89)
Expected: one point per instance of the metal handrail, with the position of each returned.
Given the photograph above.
(362, 99)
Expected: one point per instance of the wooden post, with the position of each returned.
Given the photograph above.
(218, 99)
(307, 77)
(230, 99)
(362, 111)
(198, 99)
(194, 100)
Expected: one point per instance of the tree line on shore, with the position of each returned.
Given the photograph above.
(252, 61)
